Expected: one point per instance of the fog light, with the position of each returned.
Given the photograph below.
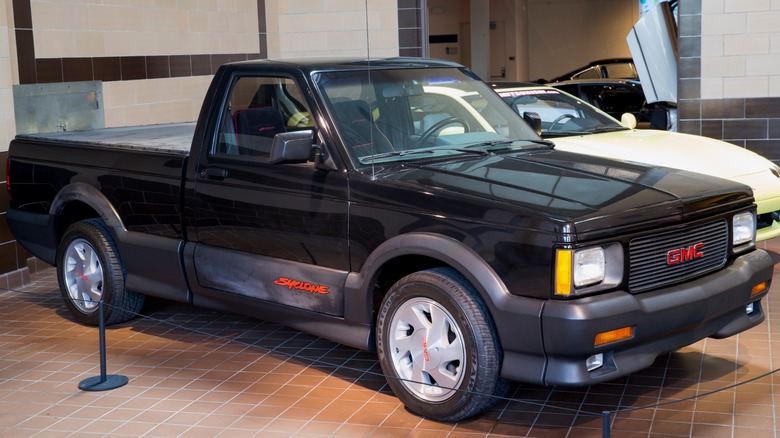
(594, 362)
(749, 308)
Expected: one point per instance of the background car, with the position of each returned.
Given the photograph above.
(619, 68)
(619, 96)
(576, 126)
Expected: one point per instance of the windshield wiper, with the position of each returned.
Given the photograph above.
(542, 142)
(492, 143)
(607, 129)
(430, 150)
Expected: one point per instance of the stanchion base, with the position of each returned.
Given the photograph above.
(112, 381)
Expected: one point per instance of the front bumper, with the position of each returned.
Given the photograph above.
(663, 320)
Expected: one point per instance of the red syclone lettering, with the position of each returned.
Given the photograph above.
(291, 284)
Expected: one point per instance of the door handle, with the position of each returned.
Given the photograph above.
(214, 173)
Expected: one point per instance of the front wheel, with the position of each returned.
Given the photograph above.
(438, 347)
(89, 270)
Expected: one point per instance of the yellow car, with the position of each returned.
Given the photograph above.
(577, 126)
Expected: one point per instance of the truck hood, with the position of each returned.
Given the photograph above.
(570, 192)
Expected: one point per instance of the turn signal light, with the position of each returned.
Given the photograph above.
(614, 336)
(757, 289)
(563, 272)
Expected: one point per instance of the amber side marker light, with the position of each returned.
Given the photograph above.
(620, 334)
(757, 289)
(563, 272)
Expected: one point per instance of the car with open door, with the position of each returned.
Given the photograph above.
(575, 125)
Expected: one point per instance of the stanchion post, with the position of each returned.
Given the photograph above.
(605, 424)
(104, 381)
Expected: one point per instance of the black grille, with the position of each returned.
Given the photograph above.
(649, 255)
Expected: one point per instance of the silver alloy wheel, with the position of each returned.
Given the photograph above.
(427, 349)
(83, 275)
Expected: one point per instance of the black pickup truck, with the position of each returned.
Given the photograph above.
(398, 205)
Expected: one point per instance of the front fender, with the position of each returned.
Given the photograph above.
(517, 319)
(448, 250)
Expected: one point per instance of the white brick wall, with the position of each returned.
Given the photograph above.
(84, 28)
(302, 28)
(740, 49)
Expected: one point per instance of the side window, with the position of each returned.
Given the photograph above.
(257, 110)
(621, 70)
(591, 73)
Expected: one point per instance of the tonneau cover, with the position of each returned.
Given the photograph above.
(172, 138)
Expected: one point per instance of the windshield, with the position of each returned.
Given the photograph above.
(403, 114)
(562, 114)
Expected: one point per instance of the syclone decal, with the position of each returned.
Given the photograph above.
(291, 284)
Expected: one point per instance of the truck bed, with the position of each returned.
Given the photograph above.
(170, 138)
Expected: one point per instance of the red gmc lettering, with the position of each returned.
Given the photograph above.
(677, 256)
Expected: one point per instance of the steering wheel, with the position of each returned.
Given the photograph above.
(559, 119)
(439, 125)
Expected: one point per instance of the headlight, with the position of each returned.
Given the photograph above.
(589, 267)
(743, 229)
(586, 270)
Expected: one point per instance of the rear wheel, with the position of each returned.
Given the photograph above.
(89, 270)
(438, 347)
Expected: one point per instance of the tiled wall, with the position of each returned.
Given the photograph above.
(410, 30)
(155, 58)
(729, 86)
(8, 247)
(332, 28)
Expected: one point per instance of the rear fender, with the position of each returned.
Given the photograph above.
(90, 196)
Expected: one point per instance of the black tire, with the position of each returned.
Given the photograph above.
(459, 364)
(89, 270)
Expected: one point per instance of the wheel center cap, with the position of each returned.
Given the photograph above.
(428, 351)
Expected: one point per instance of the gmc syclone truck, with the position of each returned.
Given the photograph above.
(397, 205)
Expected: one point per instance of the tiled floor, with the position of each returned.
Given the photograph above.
(200, 373)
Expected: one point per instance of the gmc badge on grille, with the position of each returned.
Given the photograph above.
(682, 255)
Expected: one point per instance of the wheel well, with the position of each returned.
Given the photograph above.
(396, 269)
(71, 213)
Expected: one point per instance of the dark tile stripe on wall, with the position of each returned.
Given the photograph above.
(410, 29)
(127, 68)
(34, 70)
(753, 123)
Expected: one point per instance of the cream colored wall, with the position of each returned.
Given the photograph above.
(566, 34)
(305, 28)
(740, 49)
(145, 28)
(7, 124)
(83, 28)
(152, 101)
(296, 28)
(446, 17)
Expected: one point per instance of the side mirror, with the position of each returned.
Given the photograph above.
(534, 121)
(628, 120)
(292, 147)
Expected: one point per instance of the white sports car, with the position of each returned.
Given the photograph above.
(577, 126)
